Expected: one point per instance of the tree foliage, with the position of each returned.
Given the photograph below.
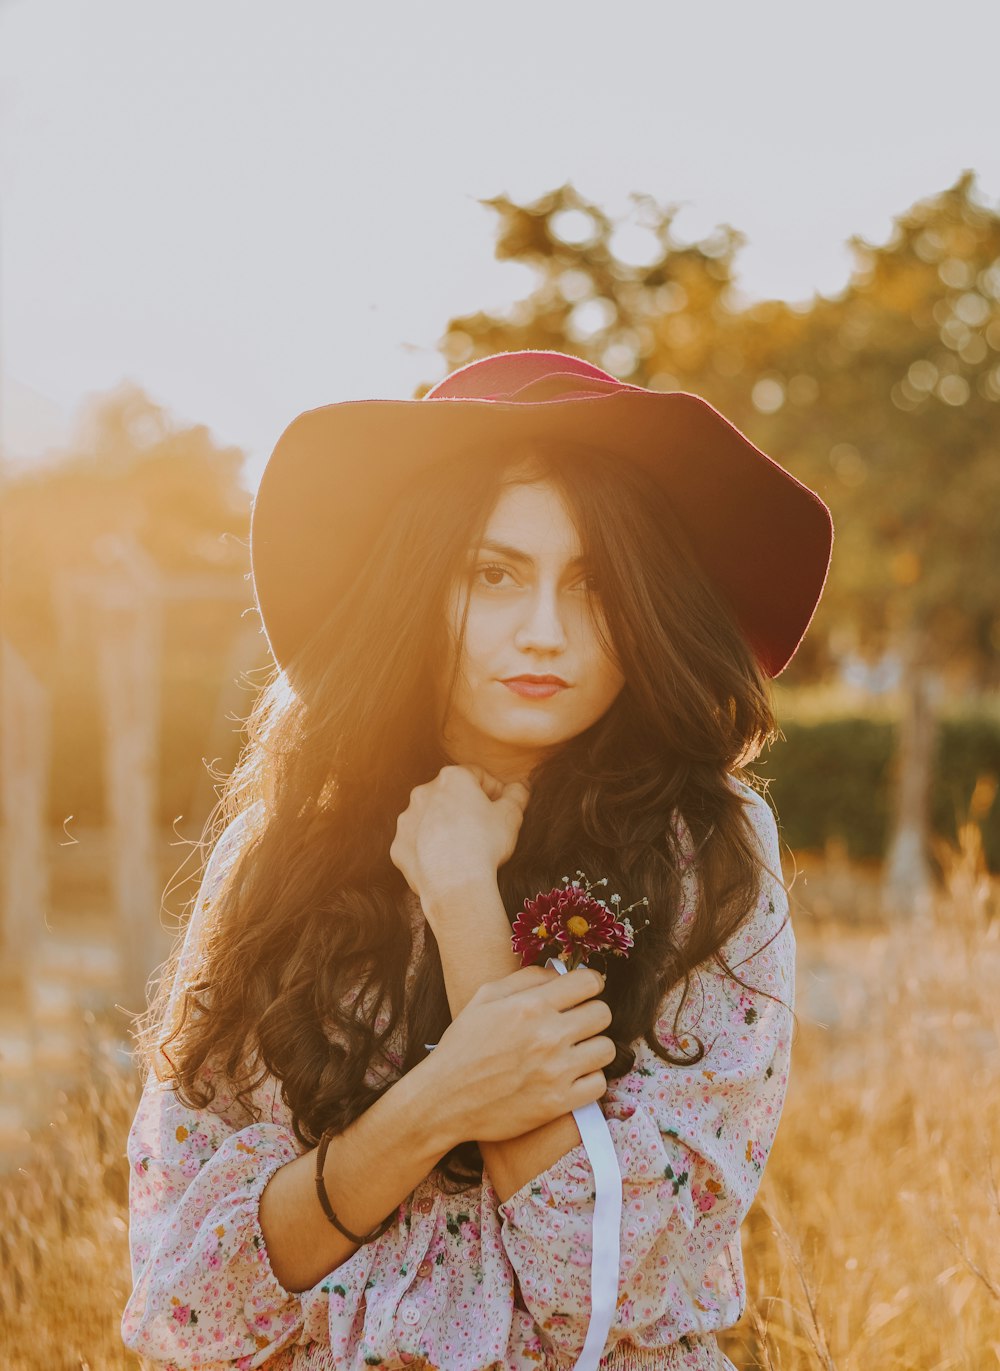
(884, 397)
(132, 471)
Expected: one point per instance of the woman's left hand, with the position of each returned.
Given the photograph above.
(458, 829)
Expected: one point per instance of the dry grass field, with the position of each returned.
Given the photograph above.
(875, 1241)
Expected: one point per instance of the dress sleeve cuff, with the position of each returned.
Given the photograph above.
(267, 1291)
(572, 1167)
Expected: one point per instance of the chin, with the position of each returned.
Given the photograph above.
(534, 737)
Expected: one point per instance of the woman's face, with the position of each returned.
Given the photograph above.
(529, 614)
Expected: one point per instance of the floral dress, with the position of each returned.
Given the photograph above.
(464, 1282)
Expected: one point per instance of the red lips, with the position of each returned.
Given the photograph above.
(538, 680)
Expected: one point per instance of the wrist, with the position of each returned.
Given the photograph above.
(465, 887)
(473, 936)
(473, 963)
(434, 1096)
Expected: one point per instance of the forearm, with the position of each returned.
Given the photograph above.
(488, 956)
(369, 1170)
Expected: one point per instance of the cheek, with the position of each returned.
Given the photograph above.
(612, 683)
(606, 665)
(612, 677)
(487, 634)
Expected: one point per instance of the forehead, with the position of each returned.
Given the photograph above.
(532, 512)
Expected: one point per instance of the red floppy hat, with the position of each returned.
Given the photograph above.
(763, 537)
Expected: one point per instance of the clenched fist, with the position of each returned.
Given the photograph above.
(457, 830)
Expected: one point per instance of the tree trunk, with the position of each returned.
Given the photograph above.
(24, 779)
(128, 642)
(907, 887)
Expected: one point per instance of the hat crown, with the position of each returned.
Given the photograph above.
(502, 375)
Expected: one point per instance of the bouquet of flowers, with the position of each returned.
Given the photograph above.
(569, 923)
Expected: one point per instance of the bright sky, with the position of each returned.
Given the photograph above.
(251, 208)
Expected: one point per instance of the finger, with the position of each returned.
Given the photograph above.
(586, 1089)
(518, 792)
(487, 782)
(593, 1054)
(525, 978)
(590, 1017)
(569, 989)
(512, 809)
(453, 772)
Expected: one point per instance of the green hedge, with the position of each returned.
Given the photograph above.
(835, 779)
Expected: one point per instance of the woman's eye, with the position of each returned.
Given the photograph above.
(586, 582)
(492, 567)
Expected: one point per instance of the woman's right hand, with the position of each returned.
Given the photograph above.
(525, 1050)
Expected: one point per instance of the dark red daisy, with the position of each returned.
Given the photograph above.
(569, 923)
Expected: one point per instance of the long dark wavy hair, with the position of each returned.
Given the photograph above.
(310, 922)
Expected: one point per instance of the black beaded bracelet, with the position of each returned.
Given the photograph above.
(324, 1198)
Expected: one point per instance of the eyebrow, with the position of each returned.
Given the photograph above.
(516, 554)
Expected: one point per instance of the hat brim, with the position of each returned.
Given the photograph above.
(763, 537)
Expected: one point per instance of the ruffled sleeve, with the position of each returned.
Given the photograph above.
(691, 1143)
(203, 1290)
(205, 1295)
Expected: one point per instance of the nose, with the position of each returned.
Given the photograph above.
(541, 626)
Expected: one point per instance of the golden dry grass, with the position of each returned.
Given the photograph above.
(875, 1241)
(64, 1266)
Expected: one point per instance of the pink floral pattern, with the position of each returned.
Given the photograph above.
(465, 1283)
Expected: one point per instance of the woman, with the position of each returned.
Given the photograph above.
(311, 1184)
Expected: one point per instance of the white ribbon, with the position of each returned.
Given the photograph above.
(596, 1138)
(606, 1251)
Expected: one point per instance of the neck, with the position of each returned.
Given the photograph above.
(507, 764)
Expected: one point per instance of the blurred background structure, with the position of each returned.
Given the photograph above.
(255, 236)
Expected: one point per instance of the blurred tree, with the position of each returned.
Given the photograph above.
(907, 371)
(130, 470)
(882, 398)
(134, 487)
(98, 548)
